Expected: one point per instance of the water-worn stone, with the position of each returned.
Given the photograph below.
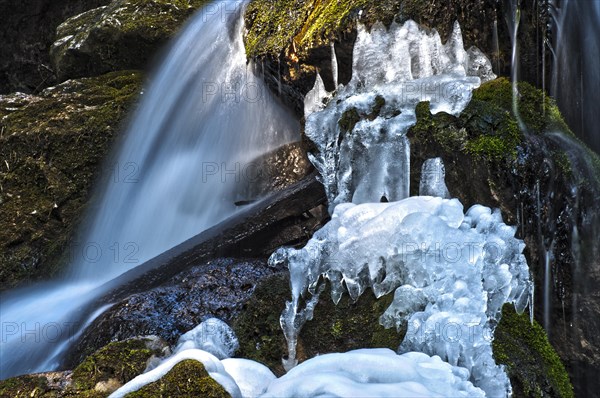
(216, 289)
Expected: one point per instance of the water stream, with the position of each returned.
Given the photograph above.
(204, 117)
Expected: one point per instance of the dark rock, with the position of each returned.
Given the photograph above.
(274, 172)
(217, 289)
(125, 34)
(27, 30)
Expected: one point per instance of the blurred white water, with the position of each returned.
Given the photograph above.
(203, 118)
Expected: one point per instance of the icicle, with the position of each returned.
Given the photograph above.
(334, 66)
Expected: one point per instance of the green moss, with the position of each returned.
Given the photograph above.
(122, 361)
(334, 328)
(348, 120)
(276, 25)
(51, 149)
(378, 104)
(532, 364)
(24, 387)
(537, 110)
(187, 379)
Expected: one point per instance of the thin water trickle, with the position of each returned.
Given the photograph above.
(202, 119)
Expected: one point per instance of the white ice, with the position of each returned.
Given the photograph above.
(450, 274)
(359, 373)
(213, 335)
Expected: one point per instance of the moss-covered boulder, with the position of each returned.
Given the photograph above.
(125, 34)
(347, 326)
(187, 379)
(534, 368)
(116, 364)
(27, 31)
(26, 387)
(51, 148)
(97, 376)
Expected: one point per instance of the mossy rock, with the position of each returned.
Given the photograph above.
(24, 387)
(187, 379)
(334, 328)
(125, 34)
(51, 148)
(540, 176)
(534, 368)
(117, 363)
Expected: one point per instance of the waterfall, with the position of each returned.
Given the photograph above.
(576, 67)
(203, 117)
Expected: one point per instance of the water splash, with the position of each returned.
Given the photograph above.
(203, 118)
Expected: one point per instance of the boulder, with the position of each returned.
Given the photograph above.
(52, 146)
(27, 30)
(125, 34)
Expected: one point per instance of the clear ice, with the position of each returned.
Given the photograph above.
(360, 129)
(360, 133)
(433, 179)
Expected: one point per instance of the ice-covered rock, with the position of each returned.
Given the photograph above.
(213, 335)
(374, 373)
(451, 273)
(360, 130)
(359, 373)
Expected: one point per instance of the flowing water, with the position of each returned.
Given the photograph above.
(204, 117)
(576, 67)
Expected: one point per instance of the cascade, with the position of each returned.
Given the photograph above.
(198, 123)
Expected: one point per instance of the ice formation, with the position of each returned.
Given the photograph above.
(450, 273)
(433, 182)
(360, 134)
(359, 373)
(213, 335)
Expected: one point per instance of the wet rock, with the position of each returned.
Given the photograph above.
(275, 171)
(218, 288)
(51, 149)
(124, 34)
